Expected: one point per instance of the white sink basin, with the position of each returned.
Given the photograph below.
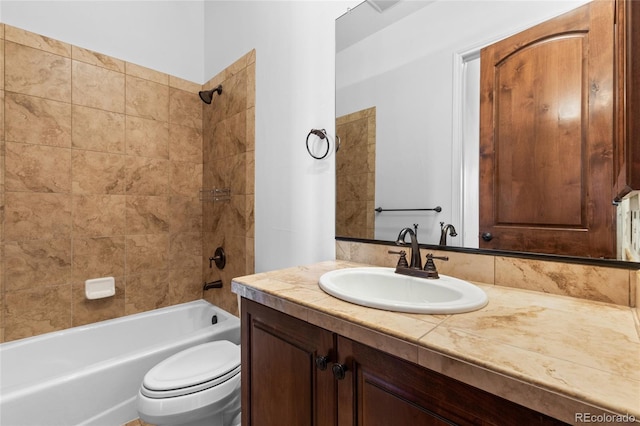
(382, 288)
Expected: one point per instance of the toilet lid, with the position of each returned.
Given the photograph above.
(197, 368)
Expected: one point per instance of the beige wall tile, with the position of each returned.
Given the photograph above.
(35, 72)
(98, 87)
(343, 250)
(249, 215)
(37, 168)
(186, 179)
(147, 138)
(37, 216)
(250, 174)
(147, 215)
(479, 268)
(233, 217)
(147, 99)
(185, 108)
(36, 311)
(187, 86)
(146, 253)
(234, 96)
(146, 292)
(228, 172)
(251, 85)
(251, 130)
(37, 41)
(98, 59)
(351, 218)
(147, 74)
(34, 264)
(2, 65)
(147, 176)
(98, 257)
(2, 305)
(38, 121)
(185, 285)
(185, 214)
(185, 144)
(635, 294)
(98, 130)
(185, 251)
(584, 281)
(97, 172)
(98, 215)
(86, 311)
(229, 136)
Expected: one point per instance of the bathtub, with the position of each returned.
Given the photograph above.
(90, 375)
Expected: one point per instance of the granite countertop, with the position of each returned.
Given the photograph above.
(570, 358)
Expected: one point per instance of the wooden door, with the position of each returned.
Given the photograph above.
(546, 137)
(380, 390)
(281, 383)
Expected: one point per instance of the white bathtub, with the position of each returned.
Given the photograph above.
(90, 375)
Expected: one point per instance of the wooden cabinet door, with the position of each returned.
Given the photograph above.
(547, 137)
(381, 390)
(281, 384)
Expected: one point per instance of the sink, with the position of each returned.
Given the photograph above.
(382, 288)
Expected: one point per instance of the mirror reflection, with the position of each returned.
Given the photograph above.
(408, 114)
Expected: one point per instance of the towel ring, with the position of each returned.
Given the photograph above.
(322, 134)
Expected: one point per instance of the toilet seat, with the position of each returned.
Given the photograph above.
(193, 370)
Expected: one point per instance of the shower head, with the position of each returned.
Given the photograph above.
(207, 95)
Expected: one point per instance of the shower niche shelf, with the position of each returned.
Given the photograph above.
(215, 194)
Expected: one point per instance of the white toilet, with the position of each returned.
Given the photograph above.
(198, 386)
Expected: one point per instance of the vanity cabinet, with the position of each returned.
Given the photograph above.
(285, 381)
(281, 383)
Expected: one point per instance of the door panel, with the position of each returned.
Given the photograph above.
(381, 390)
(281, 384)
(546, 137)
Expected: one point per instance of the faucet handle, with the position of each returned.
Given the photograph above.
(430, 266)
(402, 262)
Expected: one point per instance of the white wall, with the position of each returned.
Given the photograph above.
(166, 36)
(294, 42)
(406, 71)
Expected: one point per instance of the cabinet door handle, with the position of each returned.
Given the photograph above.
(322, 362)
(487, 236)
(339, 371)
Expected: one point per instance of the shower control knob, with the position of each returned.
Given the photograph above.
(339, 371)
(487, 236)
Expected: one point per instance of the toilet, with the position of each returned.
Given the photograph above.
(198, 386)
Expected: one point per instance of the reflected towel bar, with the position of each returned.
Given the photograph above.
(435, 209)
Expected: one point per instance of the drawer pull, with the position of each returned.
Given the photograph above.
(322, 362)
(339, 371)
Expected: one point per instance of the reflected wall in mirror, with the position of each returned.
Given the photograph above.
(355, 174)
(418, 64)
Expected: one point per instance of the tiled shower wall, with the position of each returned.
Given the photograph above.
(228, 149)
(355, 174)
(101, 168)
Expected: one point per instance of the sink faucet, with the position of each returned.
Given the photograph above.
(443, 233)
(416, 261)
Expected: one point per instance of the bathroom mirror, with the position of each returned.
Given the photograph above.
(407, 84)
